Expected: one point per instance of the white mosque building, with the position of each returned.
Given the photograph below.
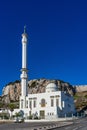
(51, 104)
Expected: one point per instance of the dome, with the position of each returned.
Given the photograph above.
(51, 87)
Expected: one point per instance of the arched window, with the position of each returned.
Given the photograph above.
(43, 103)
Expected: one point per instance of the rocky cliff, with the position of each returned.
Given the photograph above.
(12, 91)
(80, 97)
(81, 88)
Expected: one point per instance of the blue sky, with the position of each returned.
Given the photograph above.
(57, 47)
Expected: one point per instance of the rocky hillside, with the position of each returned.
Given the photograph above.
(80, 99)
(81, 88)
(12, 91)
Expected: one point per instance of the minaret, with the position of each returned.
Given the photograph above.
(24, 76)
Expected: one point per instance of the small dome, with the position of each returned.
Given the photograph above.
(51, 87)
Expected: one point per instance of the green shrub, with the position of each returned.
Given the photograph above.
(85, 96)
(36, 118)
(30, 117)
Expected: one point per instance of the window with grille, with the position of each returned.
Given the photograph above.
(57, 102)
(30, 104)
(34, 103)
(52, 102)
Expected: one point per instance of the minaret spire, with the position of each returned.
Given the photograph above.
(25, 29)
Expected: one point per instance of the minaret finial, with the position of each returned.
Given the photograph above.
(25, 29)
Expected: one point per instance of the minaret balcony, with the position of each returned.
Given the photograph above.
(24, 69)
(23, 76)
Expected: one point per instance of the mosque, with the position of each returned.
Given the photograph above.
(51, 104)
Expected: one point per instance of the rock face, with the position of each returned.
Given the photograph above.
(38, 86)
(12, 91)
(81, 88)
(80, 98)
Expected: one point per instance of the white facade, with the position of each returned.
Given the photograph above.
(49, 105)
